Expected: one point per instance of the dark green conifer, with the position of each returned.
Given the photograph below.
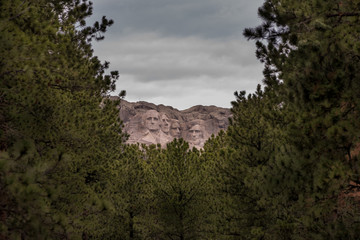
(311, 56)
(56, 138)
(179, 183)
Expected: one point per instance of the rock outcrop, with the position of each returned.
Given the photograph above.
(158, 124)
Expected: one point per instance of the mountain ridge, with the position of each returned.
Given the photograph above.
(195, 124)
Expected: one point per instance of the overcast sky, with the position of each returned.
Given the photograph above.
(180, 53)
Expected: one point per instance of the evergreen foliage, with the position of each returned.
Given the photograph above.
(179, 180)
(56, 140)
(286, 168)
(310, 59)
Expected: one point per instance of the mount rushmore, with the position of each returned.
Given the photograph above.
(148, 123)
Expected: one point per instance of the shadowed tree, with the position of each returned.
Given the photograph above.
(179, 180)
(55, 139)
(311, 55)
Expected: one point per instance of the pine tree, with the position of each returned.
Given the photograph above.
(311, 54)
(179, 183)
(130, 194)
(56, 140)
(244, 152)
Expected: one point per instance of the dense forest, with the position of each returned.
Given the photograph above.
(286, 168)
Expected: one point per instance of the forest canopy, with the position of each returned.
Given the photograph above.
(287, 167)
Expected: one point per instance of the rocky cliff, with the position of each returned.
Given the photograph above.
(158, 124)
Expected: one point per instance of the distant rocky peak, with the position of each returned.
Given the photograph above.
(158, 124)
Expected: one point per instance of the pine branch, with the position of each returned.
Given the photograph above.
(22, 12)
(341, 14)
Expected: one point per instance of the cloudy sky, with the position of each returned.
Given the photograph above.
(180, 53)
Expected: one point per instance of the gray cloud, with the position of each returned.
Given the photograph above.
(183, 94)
(209, 19)
(180, 53)
(150, 57)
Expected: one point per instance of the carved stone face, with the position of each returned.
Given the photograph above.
(165, 123)
(195, 133)
(175, 130)
(152, 121)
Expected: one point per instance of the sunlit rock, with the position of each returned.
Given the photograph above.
(158, 124)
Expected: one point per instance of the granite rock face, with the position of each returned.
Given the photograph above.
(158, 124)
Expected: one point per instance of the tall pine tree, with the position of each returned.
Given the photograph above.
(311, 54)
(55, 139)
